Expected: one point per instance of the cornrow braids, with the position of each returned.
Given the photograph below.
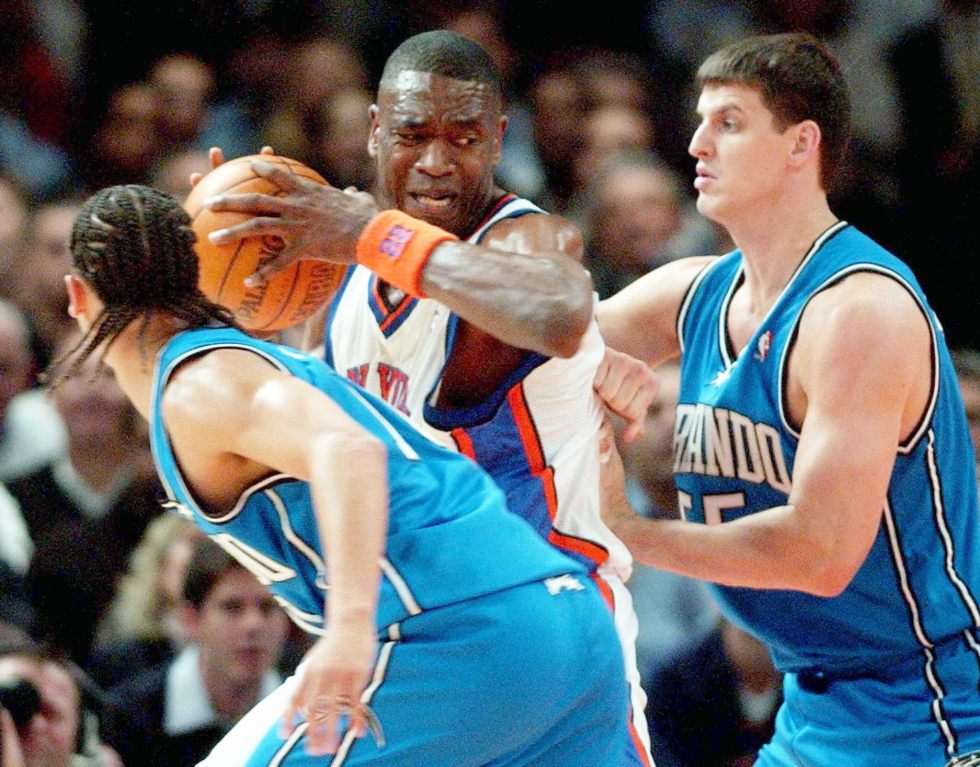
(134, 245)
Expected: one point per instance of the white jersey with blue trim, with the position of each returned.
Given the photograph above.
(734, 448)
(449, 535)
(536, 434)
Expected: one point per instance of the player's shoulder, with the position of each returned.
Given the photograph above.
(866, 297)
(865, 312)
(523, 227)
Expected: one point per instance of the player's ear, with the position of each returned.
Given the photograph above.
(372, 146)
(806, 142)
(498, 139)
(77, 296)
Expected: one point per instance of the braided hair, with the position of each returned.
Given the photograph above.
(134, 245)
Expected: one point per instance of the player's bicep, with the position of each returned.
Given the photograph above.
(641, 319)
(859, 358)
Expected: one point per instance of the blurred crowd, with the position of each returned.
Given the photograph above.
(115, 609)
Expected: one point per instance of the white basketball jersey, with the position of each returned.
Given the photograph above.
(536, 434)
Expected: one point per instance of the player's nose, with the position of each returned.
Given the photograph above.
(435, 159)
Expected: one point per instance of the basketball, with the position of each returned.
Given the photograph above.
(288, 297)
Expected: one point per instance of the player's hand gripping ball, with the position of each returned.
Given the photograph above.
(288, 297)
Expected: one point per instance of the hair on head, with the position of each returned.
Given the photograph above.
(207, 565)
(446, 53)
(798, 78)
(134, 245)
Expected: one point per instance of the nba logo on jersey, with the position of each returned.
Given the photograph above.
(762, 350)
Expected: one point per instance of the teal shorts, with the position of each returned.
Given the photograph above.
(923, 712)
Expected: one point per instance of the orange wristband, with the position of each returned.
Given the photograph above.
(396, 247)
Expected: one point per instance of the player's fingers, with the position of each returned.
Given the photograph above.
(216, 157)
(195, 178)
(325, 710)
(267, 150)
(600, 374)
(289, 717)
(259, 226)
(611, 384)
(253, 203)
(634, 429)
(270, 268)
(279, 175)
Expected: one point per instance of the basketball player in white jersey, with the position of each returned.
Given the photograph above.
(468, 309)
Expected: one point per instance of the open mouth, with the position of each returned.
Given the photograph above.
(433, 200)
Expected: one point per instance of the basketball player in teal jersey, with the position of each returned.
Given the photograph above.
(442, 620)
(820, 444)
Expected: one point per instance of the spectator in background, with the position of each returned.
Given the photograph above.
(557, 101)
(171, 172)
(339, 151)
(937, 68)
(64, 730)
(125, 145)
(39, 279)
(184, 87)
(637, 217)
(13, 230)
(715, 703)
(31, 433)
(16, 550)
(142, 628)
(254, 77)
(175, 714)
(87, 509)
(321, 68)
(34, 100)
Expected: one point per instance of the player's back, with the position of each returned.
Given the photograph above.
(449, 536)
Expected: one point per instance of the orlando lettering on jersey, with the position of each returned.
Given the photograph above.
(719, 442)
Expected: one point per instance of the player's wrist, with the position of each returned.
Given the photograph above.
(396, 247)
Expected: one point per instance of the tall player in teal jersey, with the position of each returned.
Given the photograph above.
(443, 621)
(820, 443)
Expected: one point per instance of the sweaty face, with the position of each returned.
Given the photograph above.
(436, 141)
(741, 155)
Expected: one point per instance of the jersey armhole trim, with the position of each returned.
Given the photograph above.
(685, 304)
(907, 445)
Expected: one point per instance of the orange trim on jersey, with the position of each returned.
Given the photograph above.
(641, 750)
(399, 310)
(586, 548)
(463, 443)
(535, 458)
(493, 211)
(606, 590)
(607, 594)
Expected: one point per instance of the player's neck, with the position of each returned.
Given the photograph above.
(774, 240)
(132, 357)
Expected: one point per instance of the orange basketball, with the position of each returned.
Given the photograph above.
(288, 297)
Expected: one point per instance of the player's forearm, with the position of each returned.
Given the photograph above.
(765, 550)
(349, 483)
(535, 303)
